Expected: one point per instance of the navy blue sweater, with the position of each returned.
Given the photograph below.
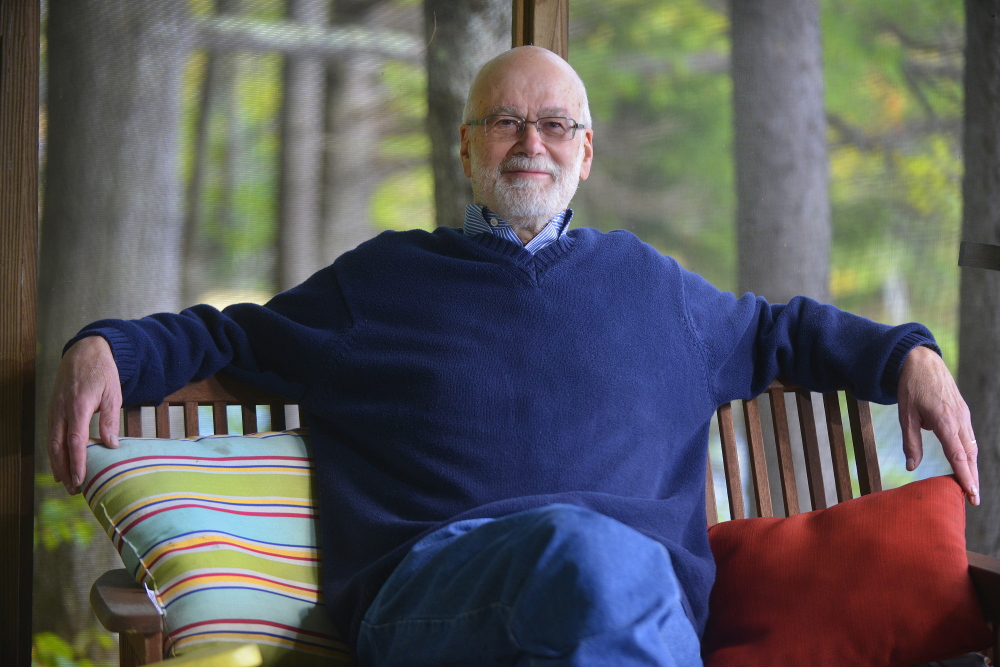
(447, 377)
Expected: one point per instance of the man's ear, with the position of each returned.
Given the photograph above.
(463, 132)
(588, 153)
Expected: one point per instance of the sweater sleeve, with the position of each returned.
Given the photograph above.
(281, 346)
(748, 342)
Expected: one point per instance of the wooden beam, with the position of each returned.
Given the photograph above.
(542, 23)
(979, 256)
(19, 25)
(238, 33)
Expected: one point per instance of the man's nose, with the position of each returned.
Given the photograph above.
(530, 141)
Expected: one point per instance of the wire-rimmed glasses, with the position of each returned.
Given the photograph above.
(501, 127)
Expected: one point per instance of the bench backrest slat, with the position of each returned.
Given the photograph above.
(810, 445)
(865, 454)
(731, 462)
(758, 457)
(838, 446)
(783, 445)
(711, 510)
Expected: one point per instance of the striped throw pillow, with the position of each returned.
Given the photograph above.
(223, 532)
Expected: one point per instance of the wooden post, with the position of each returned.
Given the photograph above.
(19, 24)
(542, 23)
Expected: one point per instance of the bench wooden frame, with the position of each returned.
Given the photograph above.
(122, 605)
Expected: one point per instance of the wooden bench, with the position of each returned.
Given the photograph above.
(123, 607)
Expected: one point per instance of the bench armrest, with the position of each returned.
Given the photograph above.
(985, 574)
(122, 605)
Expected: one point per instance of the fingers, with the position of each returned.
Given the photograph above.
(57, 448)
(77, 436)
(960, 448)
(958, 441)
(971, 449)
(965, 468)
(914, 453)
(86, 382)
(111, 404)
(68, 438)
(962, 452)
(68, 446)
(909, 423)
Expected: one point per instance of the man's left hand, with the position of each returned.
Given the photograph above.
(929, 399)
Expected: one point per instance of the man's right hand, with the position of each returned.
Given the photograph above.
(86, 382)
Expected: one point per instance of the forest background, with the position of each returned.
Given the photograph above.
(220, 151)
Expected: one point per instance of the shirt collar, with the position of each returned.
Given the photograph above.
(479, 220)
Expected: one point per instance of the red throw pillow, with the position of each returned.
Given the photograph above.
(880, 580)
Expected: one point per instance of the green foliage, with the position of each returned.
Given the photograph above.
(876, 52)
(660, 96)
(50, 650)
(91, 647)
(893, 81)
(405, 199)
(407, 86)
(64, 520)
(61, 518)
(405, 202)
(240, 188)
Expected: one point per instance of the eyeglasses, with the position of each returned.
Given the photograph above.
(507, 128)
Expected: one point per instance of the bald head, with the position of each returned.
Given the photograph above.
(555, 70)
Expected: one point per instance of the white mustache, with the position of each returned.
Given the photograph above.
(521, 163)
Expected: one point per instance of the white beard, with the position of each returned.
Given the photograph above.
(526, 202)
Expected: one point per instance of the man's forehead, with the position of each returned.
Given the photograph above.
(513, 109)
(521, 93)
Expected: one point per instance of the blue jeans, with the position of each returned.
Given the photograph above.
(556, 585)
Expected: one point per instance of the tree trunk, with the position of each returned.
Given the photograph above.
(354, 94)
(783, 207)
(111, 230)
(301, 156)
(979, 328)
(462, 36)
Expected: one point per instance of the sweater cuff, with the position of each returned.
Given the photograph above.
(894, 366)
(121, 349)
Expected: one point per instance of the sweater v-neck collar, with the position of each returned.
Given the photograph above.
(531, 266)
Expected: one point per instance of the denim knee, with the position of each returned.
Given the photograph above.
(560, 586)
(590, 575)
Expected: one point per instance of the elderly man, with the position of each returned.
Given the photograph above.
(510, 420)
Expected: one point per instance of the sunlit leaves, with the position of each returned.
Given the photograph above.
(657, 75)
(406, 84)
(50, 650)
(61, 518)
(405, 201)
(893, 82)
(405, 198)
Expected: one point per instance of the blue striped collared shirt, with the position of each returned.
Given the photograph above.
(479, 220)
